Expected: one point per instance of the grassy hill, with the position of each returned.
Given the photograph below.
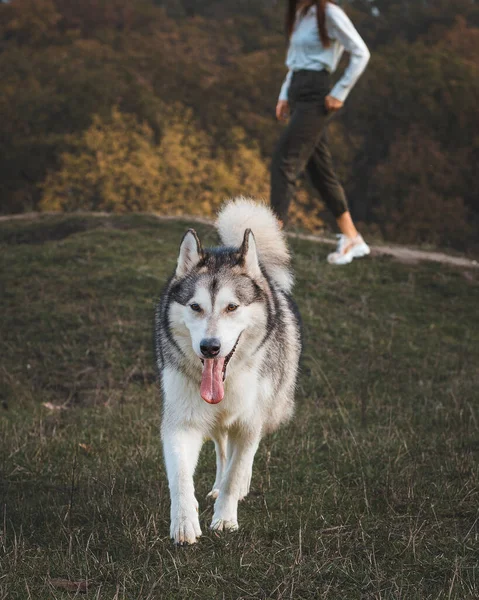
(371, 491)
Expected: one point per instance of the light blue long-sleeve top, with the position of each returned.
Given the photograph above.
(307, 52)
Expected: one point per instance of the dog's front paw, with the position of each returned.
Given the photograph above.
(225, 516)
(218, 524)
(185, 527)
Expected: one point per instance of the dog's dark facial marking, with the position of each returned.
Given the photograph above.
(247, 291)
(213, 287)
(217, 268)
(183, 290)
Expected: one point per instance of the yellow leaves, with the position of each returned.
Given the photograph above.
(112, 168)
(305, 211)
(116, 166)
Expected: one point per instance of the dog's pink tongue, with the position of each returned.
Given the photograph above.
(212, 389)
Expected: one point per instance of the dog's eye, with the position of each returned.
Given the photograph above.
(231, 307)
(196, 307)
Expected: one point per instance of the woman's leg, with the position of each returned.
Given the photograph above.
(321, 172)
(323, 177)
(346, 225)
(292, 154)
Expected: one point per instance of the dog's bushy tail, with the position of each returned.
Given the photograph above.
(240, 214)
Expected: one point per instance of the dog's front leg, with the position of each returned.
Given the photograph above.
(235, 483)
(221, 444)
(181, 449)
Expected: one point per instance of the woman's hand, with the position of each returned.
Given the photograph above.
(332, 104)
(282, 110)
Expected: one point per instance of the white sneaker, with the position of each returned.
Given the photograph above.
(348, 249)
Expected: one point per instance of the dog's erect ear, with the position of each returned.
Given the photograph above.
(249, 255)
(190, 255)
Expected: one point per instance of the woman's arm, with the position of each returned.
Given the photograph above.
(282, 107)
(340, 28)
(283, 95)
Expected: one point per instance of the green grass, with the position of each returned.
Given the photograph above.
(372, 491)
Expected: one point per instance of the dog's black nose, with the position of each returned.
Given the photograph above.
(210, 347)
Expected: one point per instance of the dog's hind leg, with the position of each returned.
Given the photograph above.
(221, 446)
(181, 449)
(242, 447)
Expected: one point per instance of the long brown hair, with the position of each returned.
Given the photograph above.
(320, 14)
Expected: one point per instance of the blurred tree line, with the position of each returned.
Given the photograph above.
(168, 105)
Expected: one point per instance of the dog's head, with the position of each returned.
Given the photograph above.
(217, 300)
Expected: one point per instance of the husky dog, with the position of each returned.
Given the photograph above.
(227, 344)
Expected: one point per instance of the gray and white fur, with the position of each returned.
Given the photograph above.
(226, 312)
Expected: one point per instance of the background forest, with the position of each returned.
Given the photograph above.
(168, 106)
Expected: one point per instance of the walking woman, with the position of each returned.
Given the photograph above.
(319, 32)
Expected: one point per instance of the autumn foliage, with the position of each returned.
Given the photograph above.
(169, 106)
(116, 165)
